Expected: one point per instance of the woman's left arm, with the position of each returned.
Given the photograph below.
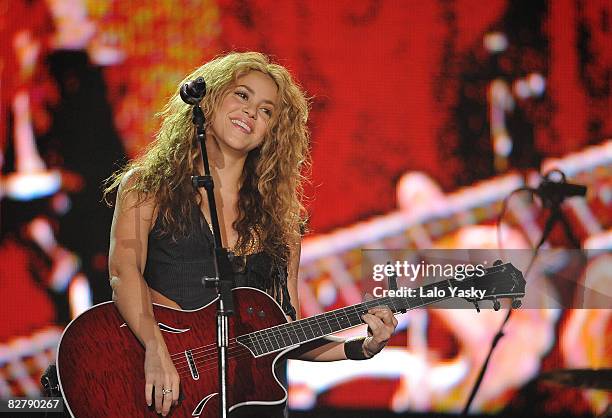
(380, 320)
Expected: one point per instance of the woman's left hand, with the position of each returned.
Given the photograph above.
(381, 325)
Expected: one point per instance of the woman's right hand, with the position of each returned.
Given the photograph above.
(160, 374)
(132, 222)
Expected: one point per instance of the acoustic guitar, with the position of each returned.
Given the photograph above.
(100, 361)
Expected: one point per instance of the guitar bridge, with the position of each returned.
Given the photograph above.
(192, 366)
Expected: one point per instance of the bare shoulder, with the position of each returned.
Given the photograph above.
(130, 196)
(134, 209)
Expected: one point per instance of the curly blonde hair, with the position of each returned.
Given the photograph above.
(270, 208)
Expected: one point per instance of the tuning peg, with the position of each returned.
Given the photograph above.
(516, 303)
(496, 304)
(498, 263)
(476, 305)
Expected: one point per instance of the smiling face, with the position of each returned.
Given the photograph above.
(245, 113)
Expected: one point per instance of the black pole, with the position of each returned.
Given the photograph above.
(500, 333)
(192, 93)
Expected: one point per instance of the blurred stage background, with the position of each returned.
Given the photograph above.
(425, 115)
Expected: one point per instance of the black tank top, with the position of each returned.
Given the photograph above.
(177, 268)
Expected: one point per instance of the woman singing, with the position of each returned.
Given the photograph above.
(161, 240)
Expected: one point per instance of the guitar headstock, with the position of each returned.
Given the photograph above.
(501, 281)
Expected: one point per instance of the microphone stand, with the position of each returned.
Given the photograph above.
(223, 273)
(552, 194)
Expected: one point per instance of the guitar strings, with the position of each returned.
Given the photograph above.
(301, 323)
(211, 353)
(199, 349)
(207, 365)
(203, 356)
(208, 352)
(205, 351)
(213, 366)
(238, 352)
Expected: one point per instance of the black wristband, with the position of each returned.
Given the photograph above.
(353, 349)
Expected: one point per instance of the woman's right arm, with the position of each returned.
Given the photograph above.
(127, 257)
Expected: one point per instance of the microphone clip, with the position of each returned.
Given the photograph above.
(554, 189)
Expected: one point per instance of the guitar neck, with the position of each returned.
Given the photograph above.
(278, 338)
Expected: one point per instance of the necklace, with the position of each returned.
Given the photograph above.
(252, 248)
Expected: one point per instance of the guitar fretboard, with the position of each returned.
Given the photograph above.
(282, 336)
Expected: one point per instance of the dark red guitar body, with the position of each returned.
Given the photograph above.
(101, 363)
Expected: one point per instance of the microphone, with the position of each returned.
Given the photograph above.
(193, 91)
(556, 191)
